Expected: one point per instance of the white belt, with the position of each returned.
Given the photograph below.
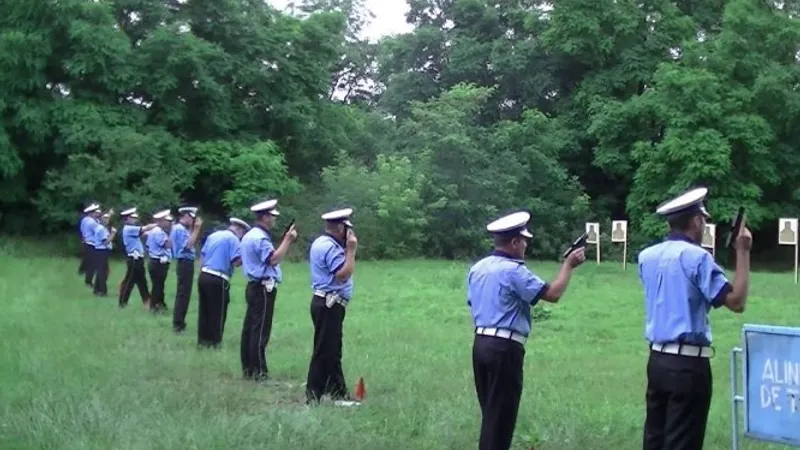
(326, 295)
(683, 350)
(501, 333)
(215, 273)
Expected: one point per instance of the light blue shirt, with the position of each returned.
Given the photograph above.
(132, 239)
(220, 250)
(257, 249)
(180, 237)
(101, 235)
(501, 292)
(681, 283)
(87, 229)
(157, 243)
(326, 257)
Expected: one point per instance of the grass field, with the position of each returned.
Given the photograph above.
(76, 372)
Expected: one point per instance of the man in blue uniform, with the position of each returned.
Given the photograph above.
(681, 284)
(332, 259)
(500, 293)
(88, 222)
(132, 234)
(103, 243)
(261, 265)
(91, 265)
(159, 250)
(221, 252)
(184, 236)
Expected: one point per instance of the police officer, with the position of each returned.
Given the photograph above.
(88, 227)
(103, 242)
(221, 252)
(261, 265)
(88, 222)
(501, 292)
(184, 236)
(135, 273)
(159, 250)
(332, 259)
(681, 284)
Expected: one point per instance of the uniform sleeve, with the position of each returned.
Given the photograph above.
(204, 249)
(265, 249)
(181, 239)
(711, 281)
(469, 298)
(334, 258)
(527, 285)
(236, 248)
(161, 239)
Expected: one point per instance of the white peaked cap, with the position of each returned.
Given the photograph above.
(91, 208)
(339, 214)
(128, 212)
(239, 222)
(191, 210)
(265, 206)
(517, 221)
(162, 215)
(688, 202)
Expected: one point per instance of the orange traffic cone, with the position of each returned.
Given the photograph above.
(361, 391)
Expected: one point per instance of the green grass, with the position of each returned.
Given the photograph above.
(78, 373)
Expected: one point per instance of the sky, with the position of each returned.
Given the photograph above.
(390, 17)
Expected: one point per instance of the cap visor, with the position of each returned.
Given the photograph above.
(275, 213)
(348, 223)
(526, 233)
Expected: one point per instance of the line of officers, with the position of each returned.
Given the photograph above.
(332, 263)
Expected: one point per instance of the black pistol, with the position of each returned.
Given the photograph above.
(736, 227)
(579, 243)
(288, 227)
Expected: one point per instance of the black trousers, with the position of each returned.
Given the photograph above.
(678, 398)
(86, 251)
(497, 365)
(134, 275)
(101, 271)
(256, 329)
(214, 296)
(183, 293)
(91, 266)
(325, 375)
(158, 275)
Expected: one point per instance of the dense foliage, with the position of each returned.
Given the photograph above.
(577, 110)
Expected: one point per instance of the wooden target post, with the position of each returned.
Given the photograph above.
(787, 235)
(710, 238)
(593, 236)
(619, 233)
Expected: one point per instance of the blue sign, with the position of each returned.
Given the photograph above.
(772, 383)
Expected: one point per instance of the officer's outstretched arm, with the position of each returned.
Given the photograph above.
(716, 287)
(559, 284)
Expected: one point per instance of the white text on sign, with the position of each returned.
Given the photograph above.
(781, 385)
